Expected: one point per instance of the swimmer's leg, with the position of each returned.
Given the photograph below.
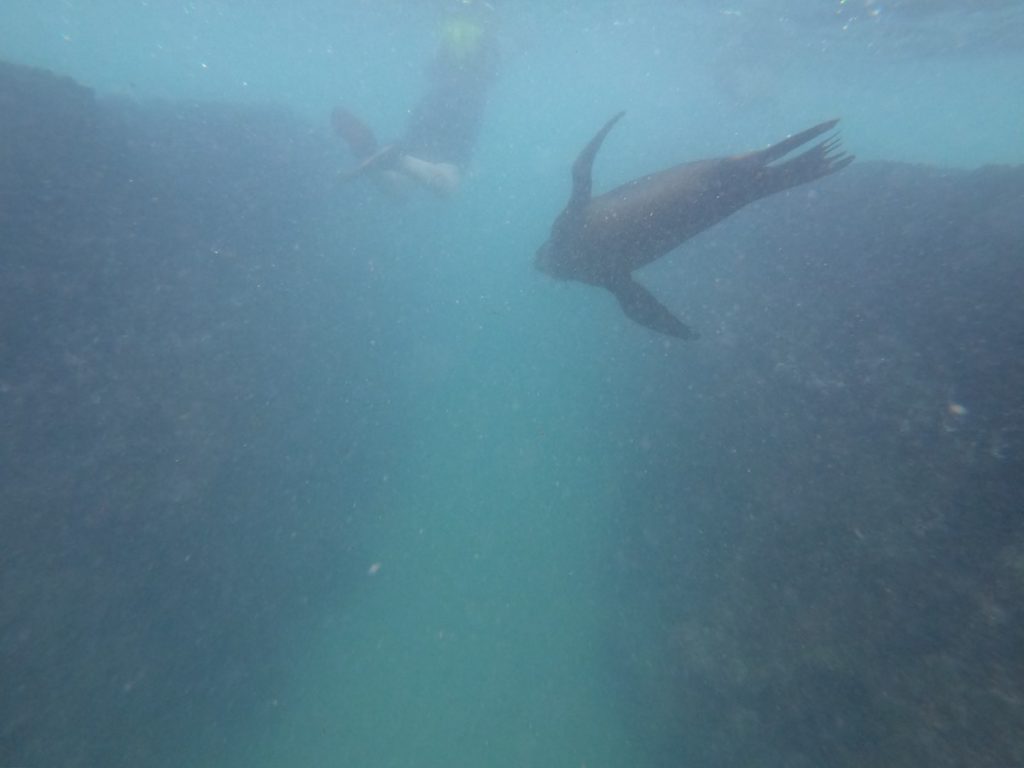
(355, 132)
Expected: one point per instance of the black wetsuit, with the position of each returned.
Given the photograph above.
(444, 123)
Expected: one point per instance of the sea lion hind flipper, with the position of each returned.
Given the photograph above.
(582, 168)
(640, 306)
(784, 147)
(823, 159)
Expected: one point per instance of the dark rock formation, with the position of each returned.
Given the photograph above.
(836, 561)
(173, 380)
(822, 561)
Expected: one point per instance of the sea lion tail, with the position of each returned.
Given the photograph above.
(784, 147)
(822, 159)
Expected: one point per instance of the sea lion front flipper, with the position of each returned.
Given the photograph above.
(640, 306)
(581, 169)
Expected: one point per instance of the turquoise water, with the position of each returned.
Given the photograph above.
(512, 419)
(479, 639)
(914, 85)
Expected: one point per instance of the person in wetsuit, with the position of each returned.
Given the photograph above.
(443, 126)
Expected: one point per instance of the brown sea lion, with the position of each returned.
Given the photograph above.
(601, 240)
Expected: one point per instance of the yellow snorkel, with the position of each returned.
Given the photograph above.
(461, 38)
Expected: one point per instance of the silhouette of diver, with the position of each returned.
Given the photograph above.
(442, 129)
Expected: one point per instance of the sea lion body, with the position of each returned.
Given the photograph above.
(602, 240)
(644, 219)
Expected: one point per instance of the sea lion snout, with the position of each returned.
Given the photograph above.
(548, 261)
(542, 259)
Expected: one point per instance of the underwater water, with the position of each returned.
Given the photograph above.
(293, 472)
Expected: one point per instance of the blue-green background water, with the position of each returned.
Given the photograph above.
(297, 476)
(916, 81)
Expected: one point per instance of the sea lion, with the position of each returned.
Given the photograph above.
(601, 240)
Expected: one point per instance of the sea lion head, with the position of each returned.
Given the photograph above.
(547, 261)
